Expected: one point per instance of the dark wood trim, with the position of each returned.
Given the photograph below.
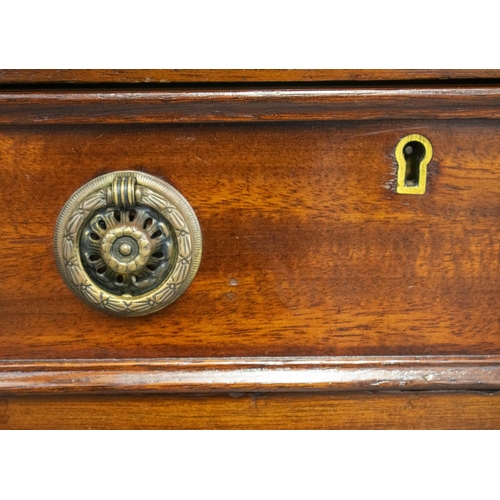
(251, 374)
(83, 107)
(151, 76)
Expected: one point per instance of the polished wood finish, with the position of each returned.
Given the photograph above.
(197, 106)
(273, 374)
(316, 276)
(404, 410)
(308, 250)
(168, 76)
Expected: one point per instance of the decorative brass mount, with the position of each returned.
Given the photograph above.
(127, 243)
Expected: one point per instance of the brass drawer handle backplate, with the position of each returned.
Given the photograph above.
(127, 243)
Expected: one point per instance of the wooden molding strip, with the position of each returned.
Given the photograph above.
(197, 375)
(152, 76)
(181, 106)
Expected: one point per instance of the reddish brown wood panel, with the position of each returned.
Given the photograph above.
(244, 105)
(308, 251)
(242, 411)
(40, 76)
(273, 374)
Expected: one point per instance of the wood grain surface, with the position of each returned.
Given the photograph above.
(308, 250)
(148, 76)
(273, 374)
(410, 410)
(22, 107)
(316, 275)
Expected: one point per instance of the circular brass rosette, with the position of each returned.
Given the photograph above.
(127, 243)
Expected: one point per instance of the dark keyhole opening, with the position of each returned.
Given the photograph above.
(414, 153)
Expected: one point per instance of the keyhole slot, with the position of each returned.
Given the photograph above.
(413, 154)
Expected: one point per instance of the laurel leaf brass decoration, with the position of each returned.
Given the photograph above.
(127, 243)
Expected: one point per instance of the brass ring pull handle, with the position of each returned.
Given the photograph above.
(127, 243)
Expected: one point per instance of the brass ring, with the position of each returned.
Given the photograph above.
(127, 243)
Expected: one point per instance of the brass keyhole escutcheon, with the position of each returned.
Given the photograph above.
(413, 154)
(127, 243)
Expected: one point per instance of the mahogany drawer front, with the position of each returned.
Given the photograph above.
(308, 251)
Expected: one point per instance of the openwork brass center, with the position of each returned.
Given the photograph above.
(127, 250)
(128, 243)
